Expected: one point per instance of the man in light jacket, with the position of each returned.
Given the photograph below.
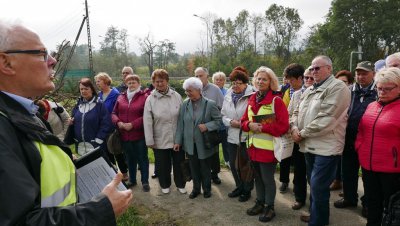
(318, 125)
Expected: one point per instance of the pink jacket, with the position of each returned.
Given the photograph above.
(378, 143)
(130, 112)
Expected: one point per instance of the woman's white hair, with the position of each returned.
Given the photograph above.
(388, 75)
(193, 82)
(218, 74)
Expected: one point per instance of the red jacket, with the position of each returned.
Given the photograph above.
(277, 128)
(130, 112)
(378, 138)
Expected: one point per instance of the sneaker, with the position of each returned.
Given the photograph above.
(268, 214)
(283, 188)
(146, 187)
(165, 190)
(154, 176)
(256, 209)
(343, 203)
(182, 190)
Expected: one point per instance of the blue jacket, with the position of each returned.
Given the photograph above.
(109, 102)
(91, 120)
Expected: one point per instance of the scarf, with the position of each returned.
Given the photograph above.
(237, 96)
(260, 96)
(132, 93)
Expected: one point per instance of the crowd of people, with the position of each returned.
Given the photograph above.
(339, 123)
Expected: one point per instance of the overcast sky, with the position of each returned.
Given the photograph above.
(56, 20)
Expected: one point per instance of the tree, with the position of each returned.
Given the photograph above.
(256, 21)
(109, 44)
(165, 53)
(147, 46)
(285, 22)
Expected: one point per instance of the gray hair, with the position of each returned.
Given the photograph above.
(128, 68)
(201, 69)
(218, 74)
(307, 71)
(6, 37)
(392, 56)
(274, 83)
(386, 75)
(193, 82)
(327, 60)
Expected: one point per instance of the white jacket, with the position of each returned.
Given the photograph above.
(160, 119)
(321, 117)
(230, 112)
(58, 121)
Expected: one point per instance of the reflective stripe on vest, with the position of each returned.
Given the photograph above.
(260, 140)
(57, 177)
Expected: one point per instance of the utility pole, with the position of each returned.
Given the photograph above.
(89, 41)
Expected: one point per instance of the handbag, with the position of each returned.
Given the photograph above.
(114, 144)
(211, 138)
(283, 145)
(243, 164)
(69, 137)
(185, 168)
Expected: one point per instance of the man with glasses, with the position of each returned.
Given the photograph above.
(318, 125)
(38, 176)
(212, 92)
(393, 60)
(362, 94)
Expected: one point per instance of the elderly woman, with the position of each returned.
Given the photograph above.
(108, 95)
(128, 117)
(160, 118)
(378, 145)
(197, 115)
(262, 125)
(90, 119)
(219, 79)
(235, 104)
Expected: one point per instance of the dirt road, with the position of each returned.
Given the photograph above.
(177, 209)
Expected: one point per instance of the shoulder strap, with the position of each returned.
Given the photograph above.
(273, 104)
(204, 112)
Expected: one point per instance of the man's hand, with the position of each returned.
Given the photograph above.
(296, 135)
(120, 200)
(203, 128)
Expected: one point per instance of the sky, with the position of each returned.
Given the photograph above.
(56, 20)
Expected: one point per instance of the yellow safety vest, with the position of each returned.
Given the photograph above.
(260, 140)
(57, 177)
(286, 97)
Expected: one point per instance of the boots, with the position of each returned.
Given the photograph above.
(268, 214)
(256, 209)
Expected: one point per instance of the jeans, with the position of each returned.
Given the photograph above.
(321, 171)
(136, 153)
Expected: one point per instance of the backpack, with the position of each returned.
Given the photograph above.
(391, 215)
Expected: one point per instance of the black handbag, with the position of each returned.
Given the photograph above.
(243, 163)
(114, 144)
(211, 138)
(185, 168)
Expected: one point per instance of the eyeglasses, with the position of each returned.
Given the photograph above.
(317, 68)
(44, 52)
(385, 89)
(237, 83)
(308, 77)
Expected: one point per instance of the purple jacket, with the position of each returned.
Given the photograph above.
(130, 112)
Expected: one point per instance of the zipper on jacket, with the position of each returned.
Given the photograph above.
(372, 140)
(394, 153)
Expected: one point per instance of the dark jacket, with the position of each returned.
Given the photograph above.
(20, 176)
(359, 101)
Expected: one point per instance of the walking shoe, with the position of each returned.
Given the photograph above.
(336, 185)
(244, 196)
(235, 193)
(182, 190)
(297, 205)
(283, 188)
(364, 211)
(207, 194)
(154, 176)
(343, 203)
(165, 190)
(256, 209)
(146, 187)
(216, 180)
(194, 194)
(268, 214)
(125, 177)
(305, 218)
(131, 184)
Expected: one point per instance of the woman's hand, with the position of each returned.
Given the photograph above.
(235, 123)
(176, 147)
(203, 128)
(255, 127)
(120, 125)
(70, 121)
(128, 126)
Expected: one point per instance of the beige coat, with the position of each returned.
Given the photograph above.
(321, 117)
(160, 118)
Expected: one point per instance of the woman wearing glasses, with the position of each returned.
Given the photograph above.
(378, 145)
(266, 116)
(235, 104)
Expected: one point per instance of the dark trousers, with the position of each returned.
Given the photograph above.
(284, 170)
(339, 171)
(232, 149)
(300, 177)
(201, 172)
(321, 171)
(224, 143)
(265, 182)
(136, 153)
(378, 188)
(164, 158)
(350, 167)
(214, 163)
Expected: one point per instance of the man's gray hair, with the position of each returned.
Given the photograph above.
(6, 39)
(193, 82)
(201, 69)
